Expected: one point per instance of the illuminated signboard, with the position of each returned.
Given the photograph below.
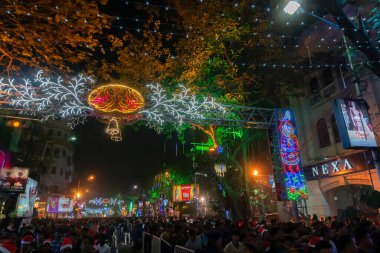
(185, 192)
(14, 179)
(288, 144)
(354, 124)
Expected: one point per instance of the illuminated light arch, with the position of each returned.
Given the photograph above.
(116, 98)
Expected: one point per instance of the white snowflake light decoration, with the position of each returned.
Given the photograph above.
(179, 108)
(49, 99)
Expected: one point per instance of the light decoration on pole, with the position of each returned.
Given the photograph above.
(49, 99)
(294, 179)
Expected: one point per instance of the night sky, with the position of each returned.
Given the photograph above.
(119, 165)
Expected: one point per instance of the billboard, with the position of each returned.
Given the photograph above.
(354, 124)
(65, 205)
(185, 192)
(25, 202)
(14, 179)
(52, 204)
(293, 181)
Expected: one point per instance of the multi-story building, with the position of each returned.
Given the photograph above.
(334, 175)
(46, 148)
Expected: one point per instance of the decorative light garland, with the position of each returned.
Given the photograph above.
(49, 99)
(177, 109)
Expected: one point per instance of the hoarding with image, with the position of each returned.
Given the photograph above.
(25, 202)
(185, 192)
(14, 179)
(65, 205)
(52, 204)
(355, 128)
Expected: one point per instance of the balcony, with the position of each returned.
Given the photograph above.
(329, 90)
(323, 94)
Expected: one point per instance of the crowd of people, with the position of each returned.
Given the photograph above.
(204, 235)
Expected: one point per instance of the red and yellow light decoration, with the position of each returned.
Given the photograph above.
(116, 98)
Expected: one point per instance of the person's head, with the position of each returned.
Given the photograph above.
(347, 244)
(46, 246)
(235, 237)
(27, 243)
(215, 238)
(86, 245)
(325, 233)
(192, 233)
(102, 240)
(67, 245)
(323, 246)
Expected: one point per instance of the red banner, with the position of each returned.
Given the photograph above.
(185, 191)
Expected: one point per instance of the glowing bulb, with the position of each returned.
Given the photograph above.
(291, 7)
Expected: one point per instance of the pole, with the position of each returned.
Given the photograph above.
(195, 195)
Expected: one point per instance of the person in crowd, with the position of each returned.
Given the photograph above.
(66, 245)
(7, 246)
(102, 246)
(235, 246)
(347, 244)
(364, 241)
(194, 242)
(27, 244)
(326, 235)
(323, 246)
(214, 242)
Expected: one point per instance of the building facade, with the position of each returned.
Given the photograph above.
(334, 175)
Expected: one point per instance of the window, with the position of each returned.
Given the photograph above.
(335, 129)
(61, 172)
(327, 77)
(69, 161)
(50, 132)
(56, 152)
(64, 153)
(313, 86)
(59, 133)
(323, 133)
(53, 170)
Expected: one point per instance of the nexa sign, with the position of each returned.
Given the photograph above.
(345, 164)
(331, 168)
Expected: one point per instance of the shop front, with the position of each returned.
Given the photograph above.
(333, 185)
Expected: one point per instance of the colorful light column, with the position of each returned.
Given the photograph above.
(293, 176)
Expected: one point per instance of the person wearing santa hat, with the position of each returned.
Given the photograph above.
(67, 245)
(46, 246)
(27, 242)
(8, 246)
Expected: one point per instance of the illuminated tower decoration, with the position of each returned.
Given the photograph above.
(293, 176)
(115, 102)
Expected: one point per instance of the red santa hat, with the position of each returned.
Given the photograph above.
(262, 230)
(8, 246)
(47, 241)
(27, 239)
(67, 243)
(313, 241)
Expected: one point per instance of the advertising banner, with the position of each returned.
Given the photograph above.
(186, 192)
(52, 205)
(25, 202)
(355, 128)
(22, 205)
(65, 205)
(290, 158)
(14, 179)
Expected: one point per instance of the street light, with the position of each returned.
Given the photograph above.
(78, 195)
(91, 178)
(255, 173)
(292, 7)
(135, 187)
